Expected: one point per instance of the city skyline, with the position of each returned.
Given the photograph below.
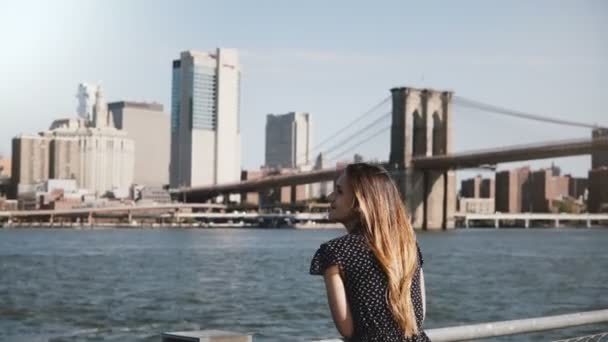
(336, 69)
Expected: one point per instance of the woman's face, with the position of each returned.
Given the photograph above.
(342, 201)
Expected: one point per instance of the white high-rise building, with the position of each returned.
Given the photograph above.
(205, 115)
(288, 140)
(86, 100)
(93, 152)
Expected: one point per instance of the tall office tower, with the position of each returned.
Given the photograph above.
(148, 125)
(288, 140)
(205, 116)
(86, 100)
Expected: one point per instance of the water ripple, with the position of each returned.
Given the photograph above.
(116, 285)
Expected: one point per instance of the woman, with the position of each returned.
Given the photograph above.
(373, 275)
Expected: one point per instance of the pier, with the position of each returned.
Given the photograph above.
(170, 215)
(527, 220)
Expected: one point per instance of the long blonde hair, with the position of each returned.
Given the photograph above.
(386, 226)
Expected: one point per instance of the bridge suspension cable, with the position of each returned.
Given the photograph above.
(522, 115)
(356, 134)
(359, 143)
(347, 126)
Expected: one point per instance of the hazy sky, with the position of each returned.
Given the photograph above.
(334, 59)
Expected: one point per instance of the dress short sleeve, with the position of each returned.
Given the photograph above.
(323, 258)
(420, 259)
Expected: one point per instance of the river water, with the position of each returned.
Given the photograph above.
(132, 285)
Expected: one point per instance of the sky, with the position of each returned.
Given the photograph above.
(333, 59)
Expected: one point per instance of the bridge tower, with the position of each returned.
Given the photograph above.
(421, 126)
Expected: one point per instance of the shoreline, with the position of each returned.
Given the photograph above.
(168, 226)
(335, 226)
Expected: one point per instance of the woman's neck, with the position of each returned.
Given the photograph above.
(353, 226)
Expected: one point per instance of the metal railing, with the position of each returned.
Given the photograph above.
(520, 326)
(461, 333)
(602, 337)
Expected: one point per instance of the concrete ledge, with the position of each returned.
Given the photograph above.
(205, 336)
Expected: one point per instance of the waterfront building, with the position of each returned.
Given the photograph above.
(288, 138)
(150, 194)
(469, 188)
(7, 204)
(5, 167)
(149, 128)
(598, 190)
(487, 188)
(94, 153)
(577, 187)
(205, 115)
(477, 187)
(5, 179)
(544, 188)
(476, 205)
(510, 196)
(30, 162)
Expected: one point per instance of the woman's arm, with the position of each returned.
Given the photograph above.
(336, 297)
(423, 292)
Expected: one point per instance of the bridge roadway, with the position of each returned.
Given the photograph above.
(555, 149)
(203, 193)
(443, 162)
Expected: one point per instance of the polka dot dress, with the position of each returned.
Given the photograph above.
(366, 288)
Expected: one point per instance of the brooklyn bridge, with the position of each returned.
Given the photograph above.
(421, 156)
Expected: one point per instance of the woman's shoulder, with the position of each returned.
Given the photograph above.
(333, 252)
(348, 239)
(345, 247)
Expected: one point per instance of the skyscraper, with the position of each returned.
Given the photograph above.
(148, 125)
(205, 115)
(288, 140)
(86, 100)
